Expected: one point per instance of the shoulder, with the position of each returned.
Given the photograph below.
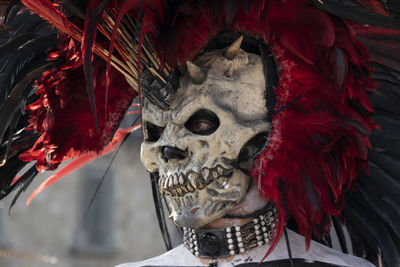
(317, 255)
(321, 253)
(178, 256)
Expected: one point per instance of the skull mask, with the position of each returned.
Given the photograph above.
(202, 146)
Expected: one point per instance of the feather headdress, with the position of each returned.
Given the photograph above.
(335, 122)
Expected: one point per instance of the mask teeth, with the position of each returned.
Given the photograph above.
(181, 179)
(180, 184)
(205, 173)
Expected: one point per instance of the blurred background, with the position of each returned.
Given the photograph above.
(121, 225)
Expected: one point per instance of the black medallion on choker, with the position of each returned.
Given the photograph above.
(224, 242)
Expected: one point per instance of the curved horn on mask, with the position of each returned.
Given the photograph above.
(195, 73)
(231, 51)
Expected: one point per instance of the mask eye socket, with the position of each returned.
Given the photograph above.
(203, 122)
(152, 132)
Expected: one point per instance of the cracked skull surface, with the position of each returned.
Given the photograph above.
(203, 146)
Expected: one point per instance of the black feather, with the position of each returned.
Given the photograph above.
(11, 130)
(383, 181)
(386, 163)
(76, 7)
(14, 99)
(393, 201)
(382, 77)
(385, 104)
(381, 199)
(381, 144)
(20, 61)
(7, 174)
(390, 128)
(354, 12)
(384, 54)
(392, 7)
(25, 180)
(22, 140)
(340, 234)
(25, 22)
(93, 17)
(12, 10)
(340, 67)
(363, 244)
(387, 213)
(372, 226)
(377, 67)
(389, 89)
(14, 43)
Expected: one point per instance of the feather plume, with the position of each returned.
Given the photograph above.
(358, 13)
(82, 160)
(47, 11)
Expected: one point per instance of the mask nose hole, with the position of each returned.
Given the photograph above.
(170, 152)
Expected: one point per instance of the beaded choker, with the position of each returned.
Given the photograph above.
(223, 242)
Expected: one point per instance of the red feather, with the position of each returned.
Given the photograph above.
(81, 161)
(63, 115)
(47, 11)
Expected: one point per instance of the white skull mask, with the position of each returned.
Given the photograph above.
(195, 145)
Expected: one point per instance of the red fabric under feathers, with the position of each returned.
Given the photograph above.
(319, 137)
